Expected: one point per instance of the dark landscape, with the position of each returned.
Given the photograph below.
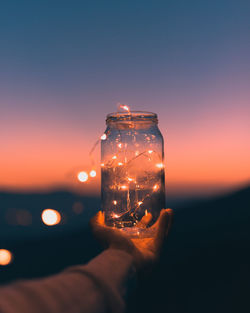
(205, 266)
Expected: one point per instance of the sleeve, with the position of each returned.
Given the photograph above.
(100, 286)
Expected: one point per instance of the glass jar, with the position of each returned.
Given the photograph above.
(132, 171)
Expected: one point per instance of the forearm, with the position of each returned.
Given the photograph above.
(99, 286)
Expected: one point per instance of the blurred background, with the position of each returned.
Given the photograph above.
(64, 66)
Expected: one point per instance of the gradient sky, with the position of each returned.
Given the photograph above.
(65, 64)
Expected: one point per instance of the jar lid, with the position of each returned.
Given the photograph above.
(135, 116)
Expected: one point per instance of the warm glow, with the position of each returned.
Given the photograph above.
(150, 151)
(102, 164)
(146, 212)
(51, 217)
(130, 179)
(115, 202)
(125, 107)
(124, 187)
(120, 163)
(115, 215)
(140, 202)
(119, 145)
(92, 173)
(103, 137)
(5, 257)
(159, 165)
(114, 157)
(156, 187)
(83, 177)
(136, 153)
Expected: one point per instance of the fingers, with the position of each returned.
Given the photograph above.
(145, 220)
(162, 228)
(109, 236)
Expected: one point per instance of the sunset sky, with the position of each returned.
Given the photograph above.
(65, 64)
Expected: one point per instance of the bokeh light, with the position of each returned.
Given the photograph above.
(82, 176)
(92, 173)
(5, 257)
(51, 217)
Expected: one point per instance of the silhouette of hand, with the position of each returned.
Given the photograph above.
(145, 251)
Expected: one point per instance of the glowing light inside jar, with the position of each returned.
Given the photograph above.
(103, 137)
(159, 165)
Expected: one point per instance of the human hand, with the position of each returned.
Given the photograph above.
(145, 251)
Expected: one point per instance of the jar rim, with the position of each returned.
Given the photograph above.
(132, 116)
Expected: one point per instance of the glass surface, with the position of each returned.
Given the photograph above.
(133, 182)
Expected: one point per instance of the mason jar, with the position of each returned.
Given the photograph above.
(132, 171)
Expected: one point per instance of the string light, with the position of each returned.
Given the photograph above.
(103, 137)
(159, 165)
(115, 215)
(121, 170)
(123, 107)
(156, 187)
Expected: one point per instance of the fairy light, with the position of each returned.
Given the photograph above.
(124, 107)
(92, 173)
(82, 176)
(159, 165)
(103, 137)
(156, 187)
(123, 171)
(115, 215)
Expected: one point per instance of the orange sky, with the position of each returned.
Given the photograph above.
(207, 153)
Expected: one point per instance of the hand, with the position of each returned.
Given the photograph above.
(145, 251)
